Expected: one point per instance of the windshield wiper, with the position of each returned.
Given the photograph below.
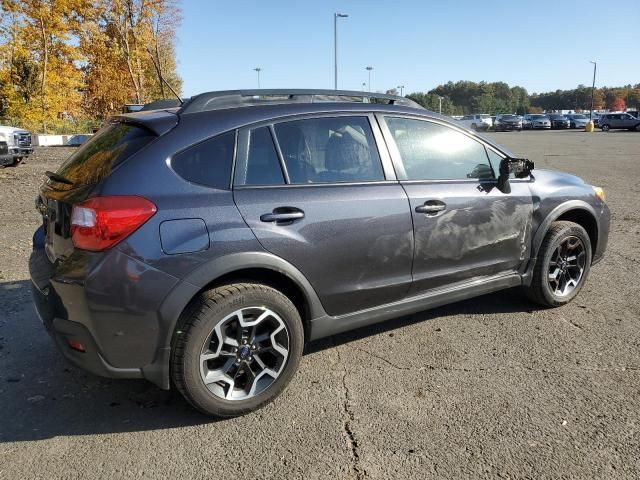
(58, 178)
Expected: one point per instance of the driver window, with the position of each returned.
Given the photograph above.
(430, 151)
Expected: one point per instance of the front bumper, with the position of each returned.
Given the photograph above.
(541, 126)
(509, 126)
(20, 151)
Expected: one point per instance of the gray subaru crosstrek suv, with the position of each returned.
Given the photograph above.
(203, 246)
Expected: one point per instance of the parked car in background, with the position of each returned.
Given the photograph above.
(626, 121)
(536, 121)
(200, 248)
(577, 120)
(559, 121)
(18, 143)
(477, 121)
(507, 123)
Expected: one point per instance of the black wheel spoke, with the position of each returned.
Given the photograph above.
(566, 266)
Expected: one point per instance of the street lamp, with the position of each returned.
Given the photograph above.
(369, 70)
(440, 105)
(257, 70)
(593, 87)
(400, 87)
(336, 16)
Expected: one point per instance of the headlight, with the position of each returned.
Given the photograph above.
(599, 193)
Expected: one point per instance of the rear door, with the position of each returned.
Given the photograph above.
(318, 192)
(464, 227)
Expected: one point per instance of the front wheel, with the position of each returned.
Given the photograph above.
(236, 348)
(563, 264)
(605, 128)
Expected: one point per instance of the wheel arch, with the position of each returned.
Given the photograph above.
(577, 211)
(259, 267)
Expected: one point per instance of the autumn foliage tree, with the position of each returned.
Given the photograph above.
(62, 61)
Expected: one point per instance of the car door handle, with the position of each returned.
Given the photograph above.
(431, 207)
(283, 215)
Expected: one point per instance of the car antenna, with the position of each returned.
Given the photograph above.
(162, 79)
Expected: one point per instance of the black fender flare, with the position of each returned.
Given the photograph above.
(543, 228)
(189, 286)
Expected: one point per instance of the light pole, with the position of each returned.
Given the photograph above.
(400, 87)
(257, 70)
(336, 16)
(364, 85)
(369, 70)
(440, 105)
(593, 87)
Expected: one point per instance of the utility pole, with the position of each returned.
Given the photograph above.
(257, 70)
(336, 16)
(593, 87)
(401, 87)
(369, 70)
(440, 105)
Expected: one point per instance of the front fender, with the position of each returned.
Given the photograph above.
(544, 226)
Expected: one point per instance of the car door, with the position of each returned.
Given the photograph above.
(318, 192)
(464, 227)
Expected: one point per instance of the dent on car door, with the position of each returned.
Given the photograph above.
(315, 192)
(464, 227)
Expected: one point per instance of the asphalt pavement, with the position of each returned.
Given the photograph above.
(493, 387)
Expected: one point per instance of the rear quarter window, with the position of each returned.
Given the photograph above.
(107, 149)
(208, 163)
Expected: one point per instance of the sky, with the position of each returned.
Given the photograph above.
(542, 45)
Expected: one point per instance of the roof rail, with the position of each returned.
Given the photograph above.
(244, 98)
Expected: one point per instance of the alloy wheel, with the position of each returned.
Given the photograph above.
(566, 266)
(245, 353)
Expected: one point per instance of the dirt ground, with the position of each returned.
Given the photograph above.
(490, 387)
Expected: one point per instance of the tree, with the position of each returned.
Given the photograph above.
(616, 104)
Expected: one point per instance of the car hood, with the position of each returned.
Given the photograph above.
(5, 129)
(510, 120)
(556, 177)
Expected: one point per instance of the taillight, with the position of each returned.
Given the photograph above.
(101, 222)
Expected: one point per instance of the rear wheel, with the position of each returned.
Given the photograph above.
(474, 126)
(236, 348)
(563, 265)
(637, 128)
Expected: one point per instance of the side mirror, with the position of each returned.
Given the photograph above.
(519, 167)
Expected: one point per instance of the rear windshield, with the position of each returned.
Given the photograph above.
(96, 158)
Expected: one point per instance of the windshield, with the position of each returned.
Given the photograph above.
(509, 117)
(578, 116)
(95, 159)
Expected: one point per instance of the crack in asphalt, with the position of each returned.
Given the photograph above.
(625, 368)
(347, 425)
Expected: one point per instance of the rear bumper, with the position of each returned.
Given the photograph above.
(63, 331)
(110, 304)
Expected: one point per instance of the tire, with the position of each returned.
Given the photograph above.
(474, 127)
(605, 128)
(200, 331)
(560, 234)
(637, 128)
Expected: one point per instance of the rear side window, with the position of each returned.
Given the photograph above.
(430, 151)
(261, 166)
(207, 163)
(97, 157)
(329, 150)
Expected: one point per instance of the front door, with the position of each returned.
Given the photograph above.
(464, 227)
(315, 192)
